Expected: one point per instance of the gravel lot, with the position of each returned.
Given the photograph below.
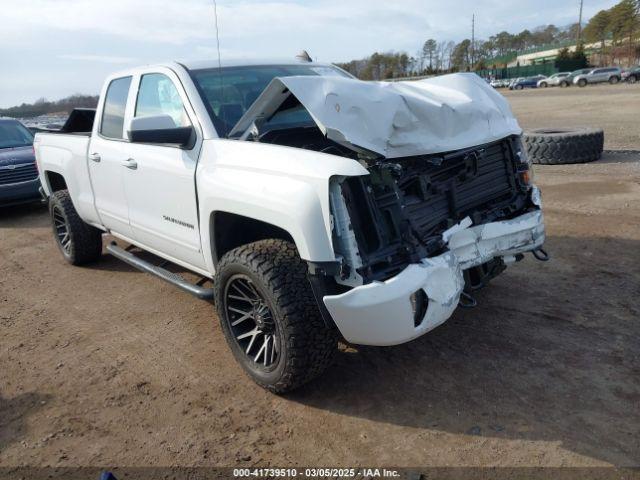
(109, 366)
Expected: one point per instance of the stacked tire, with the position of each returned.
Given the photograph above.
(563, 146)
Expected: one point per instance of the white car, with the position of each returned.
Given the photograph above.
(319, 205)
(554, 80)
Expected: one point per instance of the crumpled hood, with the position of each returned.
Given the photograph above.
(394, 119)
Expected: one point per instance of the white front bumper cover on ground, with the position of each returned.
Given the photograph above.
(381, 313)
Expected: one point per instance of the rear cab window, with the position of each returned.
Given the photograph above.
(115, 104)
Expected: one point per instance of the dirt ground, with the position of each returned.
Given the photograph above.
(109, 366)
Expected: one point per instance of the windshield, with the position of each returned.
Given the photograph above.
(230, 91)
(14, 134)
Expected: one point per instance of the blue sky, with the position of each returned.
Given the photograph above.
(56, 48)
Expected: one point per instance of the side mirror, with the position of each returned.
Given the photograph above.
(158, 129)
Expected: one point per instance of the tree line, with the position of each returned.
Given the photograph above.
(617, 30)
(614, 27)
(43, 106)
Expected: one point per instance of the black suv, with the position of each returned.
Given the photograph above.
(632, 75)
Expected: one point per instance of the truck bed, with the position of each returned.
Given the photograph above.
(66, 154)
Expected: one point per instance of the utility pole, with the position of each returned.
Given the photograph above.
(473, 38)
(579, 24)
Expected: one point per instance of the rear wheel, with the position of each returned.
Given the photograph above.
(78, 241)
(564, 84)
(544, 85)
(632, 79)
(269, 316)
(518, 87)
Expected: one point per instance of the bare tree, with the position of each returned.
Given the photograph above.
(429, 50)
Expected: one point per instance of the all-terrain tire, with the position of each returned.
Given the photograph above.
(84, 242)
(561, 146)
(307, 345)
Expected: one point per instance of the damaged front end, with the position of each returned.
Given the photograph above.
(404, 209)
(417, 235)
(448, 201)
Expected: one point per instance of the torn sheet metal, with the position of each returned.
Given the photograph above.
(380, 313)
(476, 245)
(394, 119)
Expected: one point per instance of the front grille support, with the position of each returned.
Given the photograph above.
(412, 205)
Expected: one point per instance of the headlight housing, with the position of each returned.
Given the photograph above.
(525, 167)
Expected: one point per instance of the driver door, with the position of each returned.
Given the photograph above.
(159, 180)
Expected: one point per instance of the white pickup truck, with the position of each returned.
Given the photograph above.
(320, 206)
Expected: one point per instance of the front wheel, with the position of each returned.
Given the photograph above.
(518, 87)
(614, 80)
(564, 84)
(543, 85)
(78, 241)
(582, 83)
(632, 79)
(269, 316)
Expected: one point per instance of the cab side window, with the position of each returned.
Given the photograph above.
(115, 103)
(158, 95)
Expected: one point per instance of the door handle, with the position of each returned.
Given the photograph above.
(95, 157)
(130, 163)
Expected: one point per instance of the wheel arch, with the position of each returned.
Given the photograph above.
(55, 181)
(231, 230)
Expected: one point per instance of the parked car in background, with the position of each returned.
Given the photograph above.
(500, 82)
(568, 80)
(554, 80)
(528, 82)
(513, 81)
(631, 75)
(19, 181)
(599, 75)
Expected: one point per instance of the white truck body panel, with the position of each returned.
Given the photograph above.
(66, 155)
(289, 185)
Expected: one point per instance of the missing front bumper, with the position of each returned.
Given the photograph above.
(380, 313)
